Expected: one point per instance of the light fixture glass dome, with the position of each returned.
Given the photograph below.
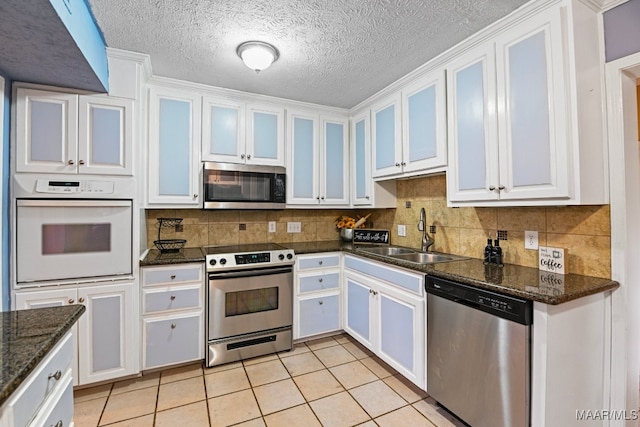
(257, 55)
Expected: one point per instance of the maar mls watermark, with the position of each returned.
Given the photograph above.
(607, 414)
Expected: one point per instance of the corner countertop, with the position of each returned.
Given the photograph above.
(185, 255)
(524, 282)
(27, 337)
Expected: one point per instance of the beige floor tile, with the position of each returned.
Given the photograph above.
(302, 364)
(149, 380)
(353, 374)
(87, 413)
(405, 388)
(377, 398)
(368, 424)
(258, 422)
(195, 415)
(321, 343)
(333, 356)
(316, 385)
(220, 368)
(298, 416)
(343, 338)
(180, 393)
(277, 396)
(225, 382)
(144, 421)
(378, 367)
(266, 372)
(92, 393)
(339, 410)
(261, 359)
(403, 417)
(438, 416)
(297, 349)
(233, 408)
(181, 373)
(357, 350)
(129, 405)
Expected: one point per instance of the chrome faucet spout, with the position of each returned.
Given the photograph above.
(427, 241)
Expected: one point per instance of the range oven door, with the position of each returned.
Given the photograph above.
(72, 239)
(241, 302)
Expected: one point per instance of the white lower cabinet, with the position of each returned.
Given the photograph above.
(384, 309)
(317, 295)
(45, 398)
(106, 332)
(172, 314)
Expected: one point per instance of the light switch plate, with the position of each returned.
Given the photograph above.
(402, 230)
(531, 240)
(294, 227)
(272, 226)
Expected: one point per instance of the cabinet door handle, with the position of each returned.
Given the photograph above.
(80, 300)
(71, 300)
(81, 162)
(375, 292)
(59, 424)
(71, 162)
(397, 165)
(172, 297)
(56, 376)
(366, 197)
(173, 326)
(242, 156)
(195, 196)
(320, 302)
(404, 163)
(370, 291)
(501, 187)
(320, 280)
(492, 187)
(173, 276)
(320, 262)
(248, 156)
(322, 197)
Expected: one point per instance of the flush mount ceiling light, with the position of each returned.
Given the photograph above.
(257, 55)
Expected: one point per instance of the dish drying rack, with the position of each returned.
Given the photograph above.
(168, 245)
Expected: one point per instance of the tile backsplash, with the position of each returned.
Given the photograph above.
(584, 230)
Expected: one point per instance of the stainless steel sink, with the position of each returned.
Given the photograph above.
(427, 258)
(388, 250)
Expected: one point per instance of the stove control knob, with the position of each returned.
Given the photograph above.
(289, 256)
(223, 261)
(212, 262)
(281, 257)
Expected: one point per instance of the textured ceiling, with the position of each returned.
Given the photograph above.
(332, 52)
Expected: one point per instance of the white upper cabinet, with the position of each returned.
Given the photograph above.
(514, 120)
(318, 159)
(68, 133)
(409, 129)
(237, 132)
(174, 147)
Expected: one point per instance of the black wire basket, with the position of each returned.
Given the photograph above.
(168, 245)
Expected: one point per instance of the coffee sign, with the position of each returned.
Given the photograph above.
(553, 260)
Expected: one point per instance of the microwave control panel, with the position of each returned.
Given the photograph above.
(74, 187)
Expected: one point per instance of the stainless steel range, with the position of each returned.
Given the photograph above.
(249, 301)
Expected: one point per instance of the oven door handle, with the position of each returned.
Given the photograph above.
(250, 273)
(65, 203)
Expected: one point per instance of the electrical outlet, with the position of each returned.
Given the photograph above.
(294, 227)
(402, 230)
(272, 226)
(531, 240)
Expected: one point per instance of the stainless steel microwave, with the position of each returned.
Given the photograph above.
(235, 186)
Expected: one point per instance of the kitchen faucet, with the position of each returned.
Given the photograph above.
(427, 241)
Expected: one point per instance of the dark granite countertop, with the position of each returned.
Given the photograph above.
(27, 337)
(185, 255)
(524, 282)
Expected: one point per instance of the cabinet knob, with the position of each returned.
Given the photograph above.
(370, 291)
(242, 156)
(322, 197)
(248, 156)
(55, 376)
(71, 300)
(173, 326)
(366, 197)
(492, 187)
(397, 165)
(320, 280)
(81, 162)
(71, 162)
(59, 424)
(80, 300)
(375, 292)
(320, 302)
(172, 297)
(195, 196)
(173, 276)
(320, 262)
(404, 163)
(502, 187)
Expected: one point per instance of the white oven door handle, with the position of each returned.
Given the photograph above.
(249, 273)
(73, 203)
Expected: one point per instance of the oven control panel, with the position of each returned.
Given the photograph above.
(249, 260)
(80, 186)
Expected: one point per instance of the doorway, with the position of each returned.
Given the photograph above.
(622, 78)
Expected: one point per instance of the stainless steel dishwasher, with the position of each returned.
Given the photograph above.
(478, 353)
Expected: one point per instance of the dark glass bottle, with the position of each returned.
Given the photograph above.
(488, 252)
(496, 253)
